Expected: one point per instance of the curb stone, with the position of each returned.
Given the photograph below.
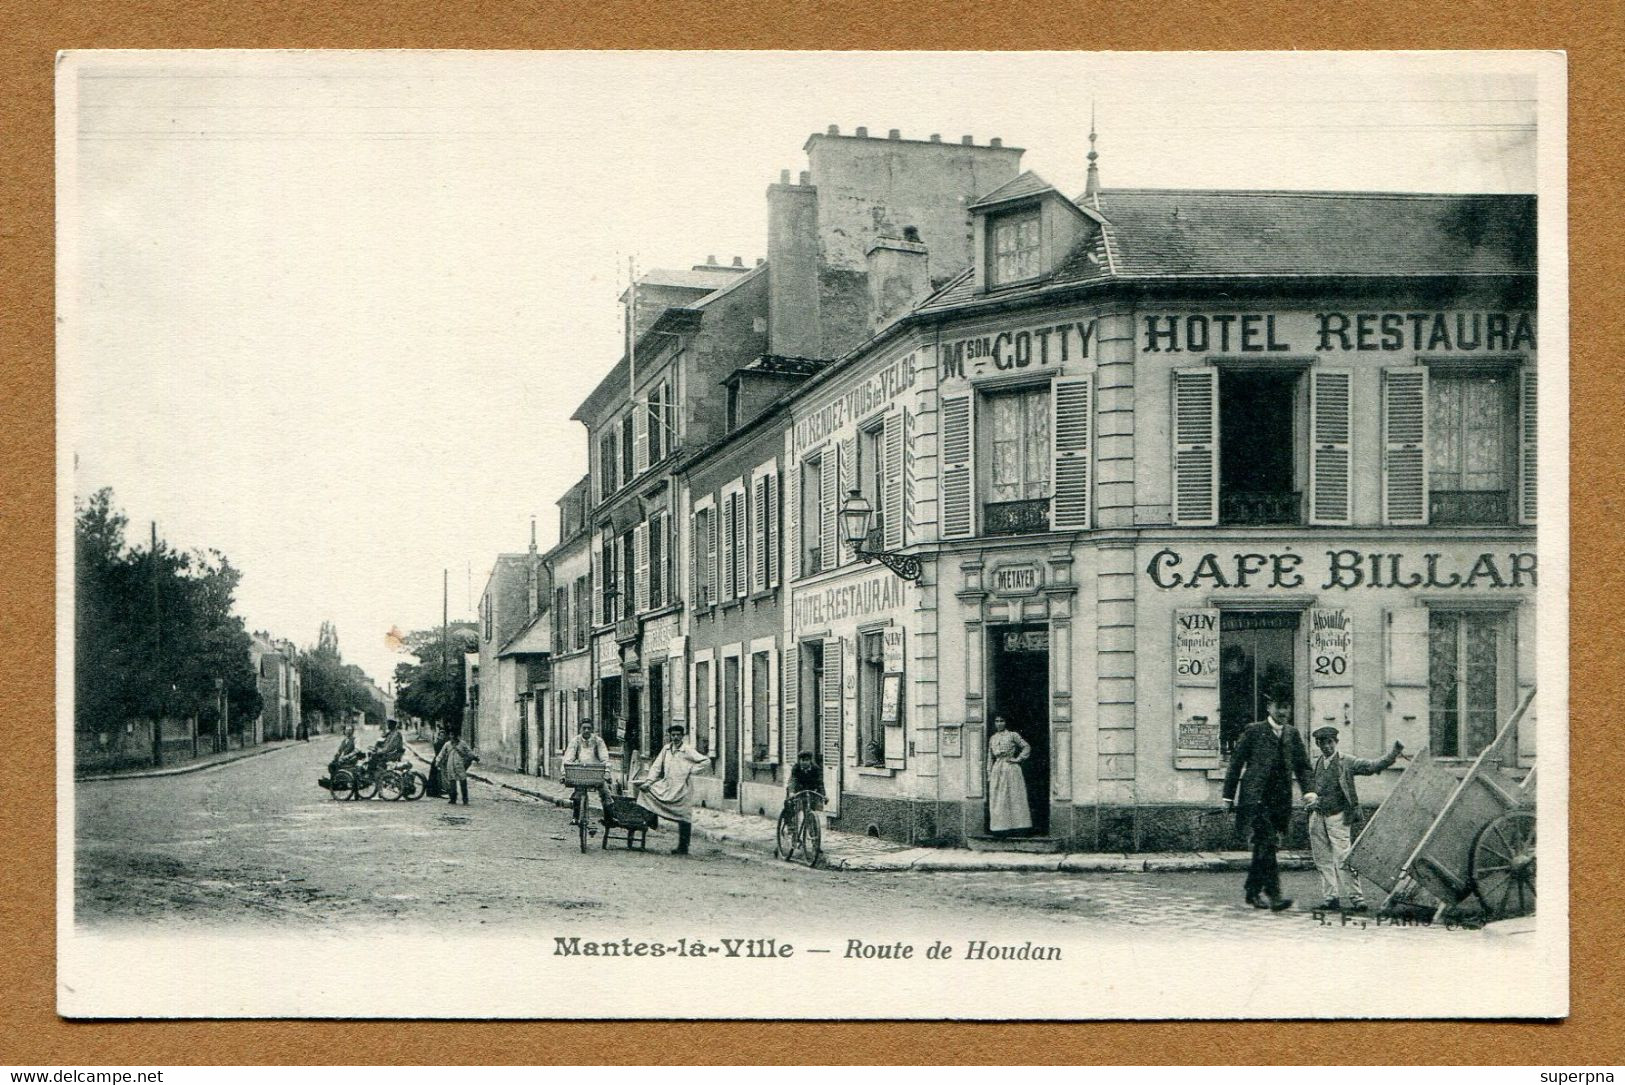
(183, 770)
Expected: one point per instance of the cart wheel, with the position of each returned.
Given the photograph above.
(1503, 865)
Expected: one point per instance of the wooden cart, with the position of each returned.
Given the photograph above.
(1456, 842)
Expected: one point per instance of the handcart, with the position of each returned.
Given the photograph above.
(619, 813)
(1457, 843)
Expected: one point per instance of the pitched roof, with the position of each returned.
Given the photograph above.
(1026, 183)
(1174, 234)
(534, 638)
(702, 277)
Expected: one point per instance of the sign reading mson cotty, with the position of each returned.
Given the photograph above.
(1040, 345)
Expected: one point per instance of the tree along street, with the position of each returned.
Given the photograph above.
(258, 845)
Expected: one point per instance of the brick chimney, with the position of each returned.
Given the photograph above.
(899, 278)
(792, 268)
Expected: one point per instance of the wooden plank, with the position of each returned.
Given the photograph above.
(1386, 843)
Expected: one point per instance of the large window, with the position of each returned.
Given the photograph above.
(872, 480)
(1470, 447)
(656, 423)
(1018, 459)
(1258, 447)
(1465, 668)
(704, 529)
(1014, 243)
(760, 691)
(811, 512)
(607, 564)
(581, 615)
(609, 462)
(628, 447)
(871, 669)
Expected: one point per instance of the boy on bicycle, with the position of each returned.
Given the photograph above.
(588, 748)
(805, 775)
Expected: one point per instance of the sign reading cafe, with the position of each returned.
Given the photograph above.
(1344, 569)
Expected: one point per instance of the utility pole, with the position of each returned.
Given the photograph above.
(157, 649)
(445, 649)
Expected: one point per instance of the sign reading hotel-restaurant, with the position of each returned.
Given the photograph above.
(1319, 333)
(838, 602)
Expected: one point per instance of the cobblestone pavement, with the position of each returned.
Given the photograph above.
(259, 843)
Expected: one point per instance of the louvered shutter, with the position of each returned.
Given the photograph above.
(958, 467)
(597, 579)
(677, 678)
(1404, 436)
(827, 503)
(640, 438)
(727, 585)
(1196, 446)
(892, 473)
(741, 544)
(712, 594)
(695, 529)
(848, 465)
(792, 520)
(640, 557)
(830, 740)
(789, 703)
(1331, 412)
(772, 517)
(1073, 429)
(1528, 461)
(1527, 662)
(773, 706)
(1405, 651)
(758, 568)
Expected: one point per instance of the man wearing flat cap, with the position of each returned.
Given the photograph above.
(1335, 815)
(1269, 756)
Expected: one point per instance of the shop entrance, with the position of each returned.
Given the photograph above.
(1257, 657)
(1019, 688)
(730, 727)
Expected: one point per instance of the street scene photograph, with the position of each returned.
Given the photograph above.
(865, 535)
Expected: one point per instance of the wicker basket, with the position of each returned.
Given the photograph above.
(585, 775)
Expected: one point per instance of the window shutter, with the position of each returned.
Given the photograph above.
(1331, 413)
(741, 543)
(1405, 651)
(847, 462)
(747, 697)
(1528, 462)
(1526, 663)
(958, 467)
(713, 722)
(828, 498)
(597, 578)
(771, 544)
(1196, 687)
(694, 530)
(773, 706)
(712, 595)
(640, 438)
(789, 703)
(830, 740)
(758, 568)
(792, 520)
(1196, 446)
(1405, 437)
(726, 588)
(892, 499)
(1072, 427)
(640, 547)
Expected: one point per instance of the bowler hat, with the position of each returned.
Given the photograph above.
(1324, 732)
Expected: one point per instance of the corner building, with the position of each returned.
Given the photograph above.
(1162, 453)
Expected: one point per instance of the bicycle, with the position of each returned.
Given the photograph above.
(583, 779)
(800, 829)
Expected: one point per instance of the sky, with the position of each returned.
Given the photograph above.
(330, 313)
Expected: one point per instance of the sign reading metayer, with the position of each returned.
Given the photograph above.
(1024, 579)
(1320, 333)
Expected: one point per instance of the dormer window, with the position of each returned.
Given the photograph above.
(1013, 244)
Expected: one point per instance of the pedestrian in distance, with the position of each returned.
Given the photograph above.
(665, 789)
(1008, 810)
(1258, 783)
(1334, 818)
(453, 761)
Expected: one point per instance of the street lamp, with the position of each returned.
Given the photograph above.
(856, 515)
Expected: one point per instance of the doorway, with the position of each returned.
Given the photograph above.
(1019, 691)
(730, 727)
(524, 734)
(1257, 657)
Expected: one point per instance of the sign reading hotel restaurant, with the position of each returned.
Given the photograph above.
(1319, 333)
(1196, 650)
(1041, 345)
(1345, 569)
(838, 602)
(1024, 579)
(1331, 641)
(874, 392)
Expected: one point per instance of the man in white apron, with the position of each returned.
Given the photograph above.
(664, 789)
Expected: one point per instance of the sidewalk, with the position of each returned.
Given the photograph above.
(852, 851)
(197, 764)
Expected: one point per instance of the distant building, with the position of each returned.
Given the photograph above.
(275, 663)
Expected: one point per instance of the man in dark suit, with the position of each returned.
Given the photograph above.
(1264, 763)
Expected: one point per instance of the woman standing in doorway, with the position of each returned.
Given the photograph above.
(1007, 807)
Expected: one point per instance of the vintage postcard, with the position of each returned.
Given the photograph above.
(812, 535)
